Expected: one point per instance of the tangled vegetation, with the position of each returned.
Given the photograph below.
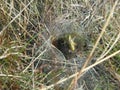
(59, 44)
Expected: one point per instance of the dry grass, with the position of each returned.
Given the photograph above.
(28, 60)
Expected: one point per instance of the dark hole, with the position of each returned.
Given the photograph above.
(63, 45)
